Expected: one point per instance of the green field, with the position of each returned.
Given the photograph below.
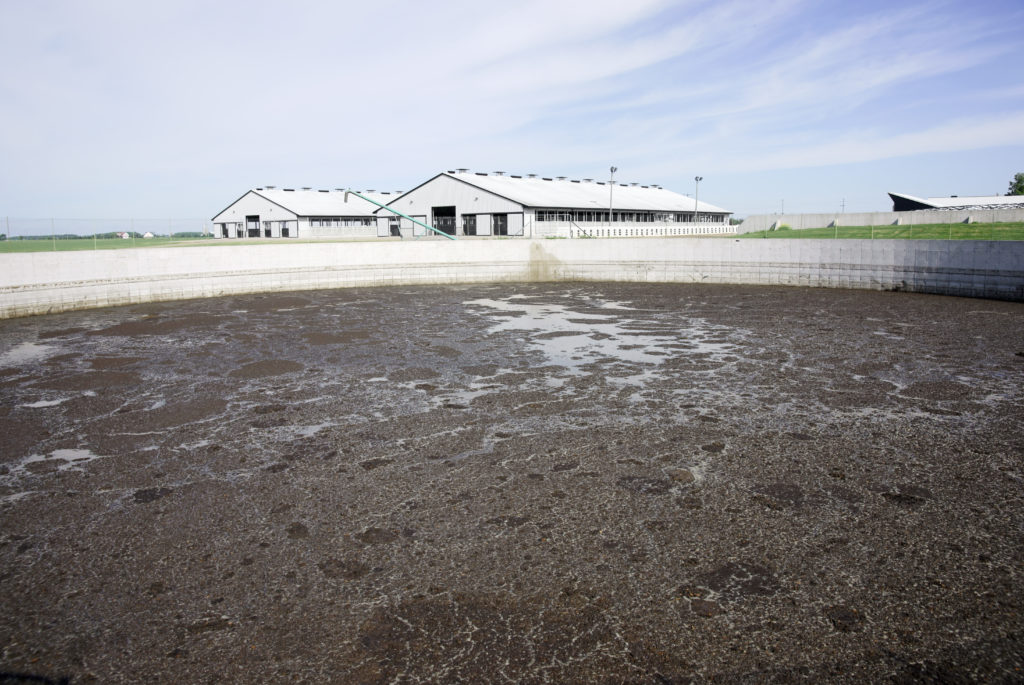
(73, 244)
(76, 244)
(959, 231)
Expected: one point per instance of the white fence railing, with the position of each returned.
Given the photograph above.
(584, 229)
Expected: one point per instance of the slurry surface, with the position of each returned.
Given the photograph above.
(538, 483)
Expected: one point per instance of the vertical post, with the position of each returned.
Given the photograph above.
(696, 195)
(53, 235)
(611, 191)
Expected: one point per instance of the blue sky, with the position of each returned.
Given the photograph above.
(117, 109)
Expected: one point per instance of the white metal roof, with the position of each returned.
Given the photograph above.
(324, 203)
(568, 194)
(967, 201)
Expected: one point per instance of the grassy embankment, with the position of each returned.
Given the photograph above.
(996, 231)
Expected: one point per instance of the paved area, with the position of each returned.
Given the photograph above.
(543, 483)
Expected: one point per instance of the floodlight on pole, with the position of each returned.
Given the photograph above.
(611, 190)
(696, 194)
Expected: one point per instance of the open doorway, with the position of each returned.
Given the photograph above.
(252, 225)
(444, 219)
(500, 222)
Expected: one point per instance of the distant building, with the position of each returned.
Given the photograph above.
(124, 235)
(147, 234)
(909, 203)
(499, 204)
(288, 213)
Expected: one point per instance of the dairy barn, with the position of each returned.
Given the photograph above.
(272, 212)
(465, 203)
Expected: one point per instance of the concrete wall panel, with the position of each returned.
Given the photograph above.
(43, 282)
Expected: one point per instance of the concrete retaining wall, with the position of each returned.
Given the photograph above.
(761, 222)
(48, 282)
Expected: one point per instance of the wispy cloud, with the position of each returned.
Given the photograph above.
(869, 145)
(115, 99)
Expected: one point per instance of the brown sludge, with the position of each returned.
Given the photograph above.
(528, 483)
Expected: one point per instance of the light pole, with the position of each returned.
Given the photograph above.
(696, 194)
(611, 192)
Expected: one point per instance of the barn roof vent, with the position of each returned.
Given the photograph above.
(545, 179)
(531, 175)
(633, 184)
(269, 187)
(514, 176)
(574, 181)
(289, 190)
(461, 171)
(340, 190)
(324, 191)
(560, 178)
(588, 180)
(307, 187)
(498, 173)
(371, 190)
(481, 173)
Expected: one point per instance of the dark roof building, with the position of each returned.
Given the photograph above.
(909, 203)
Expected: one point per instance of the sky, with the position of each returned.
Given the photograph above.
(116, 108)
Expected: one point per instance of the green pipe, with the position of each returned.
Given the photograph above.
(395, 211)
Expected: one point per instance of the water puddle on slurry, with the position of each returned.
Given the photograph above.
(25, 353)
(46, 403)
(41, 464)
(571, 339)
